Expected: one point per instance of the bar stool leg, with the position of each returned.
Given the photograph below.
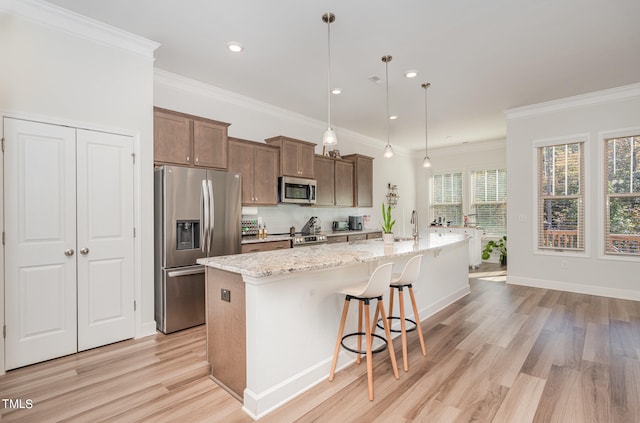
(391, 292)
(369, 342)
(345, 310)
(387, 332)
(359, 348)
(403, 329)
(417, 318)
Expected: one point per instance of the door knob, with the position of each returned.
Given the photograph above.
(84, 251)
(69, 252)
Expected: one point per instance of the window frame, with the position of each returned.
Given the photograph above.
(602, 213)
(432, 204)
(472, 203)
(583, 138)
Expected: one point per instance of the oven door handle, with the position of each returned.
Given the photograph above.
(196, 270)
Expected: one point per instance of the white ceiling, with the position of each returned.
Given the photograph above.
(480, 57)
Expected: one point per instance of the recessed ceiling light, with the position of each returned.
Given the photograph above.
(235, 47)
(393, 117)
(336, 91)
(411, 73)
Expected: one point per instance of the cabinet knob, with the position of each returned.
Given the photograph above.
(69, 252)
(188, 158)
(196, 159)
(84, 251)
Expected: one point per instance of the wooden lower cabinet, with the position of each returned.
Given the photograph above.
(255, 247)
(374, 235)
(226, 330)
(336, 239)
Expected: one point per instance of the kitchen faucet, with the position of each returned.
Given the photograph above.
(414, 222)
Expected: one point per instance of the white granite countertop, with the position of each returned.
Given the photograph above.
(325, 256)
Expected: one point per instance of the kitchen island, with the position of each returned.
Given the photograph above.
(272, 317)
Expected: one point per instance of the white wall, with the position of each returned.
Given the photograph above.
(590, 272)
(54, 74)
(256, 121)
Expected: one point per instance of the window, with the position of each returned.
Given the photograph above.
(561, 197)
(490, 200)
(446, 200)
(622, 185)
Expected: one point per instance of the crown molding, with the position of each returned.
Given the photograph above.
(582, 100)
(64, 20)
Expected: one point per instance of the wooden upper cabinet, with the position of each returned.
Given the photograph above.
(363, 183)
(296, 156)
(171, 138)
(344, 183)
(258, 164)
(324, 168)
(183, 139)
(335, 182)
(210, 144)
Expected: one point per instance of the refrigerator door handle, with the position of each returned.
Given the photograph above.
(211, 214)
(195, 270)
(204, 217)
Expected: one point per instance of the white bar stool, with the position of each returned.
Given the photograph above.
(375, 288)
(400, 281)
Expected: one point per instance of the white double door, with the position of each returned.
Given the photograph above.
(69, 240)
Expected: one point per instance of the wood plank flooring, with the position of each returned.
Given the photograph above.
(501, 354)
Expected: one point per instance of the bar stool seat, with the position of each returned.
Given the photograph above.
(373, 289)
(400, 281)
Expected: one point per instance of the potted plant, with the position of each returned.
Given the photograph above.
(499, 246)
(387, 225)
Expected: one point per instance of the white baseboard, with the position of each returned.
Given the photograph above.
(148, 328)
(601, 291)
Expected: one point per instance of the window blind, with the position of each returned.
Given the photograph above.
(490, 200)
(561, 197)
(622, 188)
(446, 198)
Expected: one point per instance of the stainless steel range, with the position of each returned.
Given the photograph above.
(300, 240)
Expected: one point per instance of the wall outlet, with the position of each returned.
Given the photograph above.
(225, 295)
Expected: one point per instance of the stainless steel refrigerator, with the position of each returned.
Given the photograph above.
(197, 214)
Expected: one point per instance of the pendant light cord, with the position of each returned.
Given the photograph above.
(329, 70)
(426, 126)
(386, 63)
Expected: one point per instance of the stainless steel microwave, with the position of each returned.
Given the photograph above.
(296, 190)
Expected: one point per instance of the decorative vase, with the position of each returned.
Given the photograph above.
(387, 239)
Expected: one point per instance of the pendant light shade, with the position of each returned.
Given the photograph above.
(388, 150)
(329, 136)
(426, 162)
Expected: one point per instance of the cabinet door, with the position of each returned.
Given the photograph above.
(265, 175)
(344, 183)
(325, 193)
(40, 226)
(171, 138)
(289, 157)
(364, 183)
(241, 161)
(104, 238)
(209, 144)
(305, 161)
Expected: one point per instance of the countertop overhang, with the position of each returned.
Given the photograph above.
(327, 256)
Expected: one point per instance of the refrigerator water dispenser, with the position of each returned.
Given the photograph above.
(188, 234)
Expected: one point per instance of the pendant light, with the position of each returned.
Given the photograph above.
(329, 136)
(388, 150)
(426, 162)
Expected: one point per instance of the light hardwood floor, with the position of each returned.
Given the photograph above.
(501, 354)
